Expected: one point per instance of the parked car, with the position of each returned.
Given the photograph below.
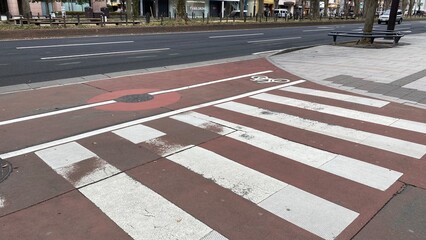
(236, 13)
(385, 17)
(281, 13)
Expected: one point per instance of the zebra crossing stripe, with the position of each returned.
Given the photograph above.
(138, 133)
(301, 208)
(337, 96)
(139, 211)
(394, 145)
(358, 171)
(343, 112)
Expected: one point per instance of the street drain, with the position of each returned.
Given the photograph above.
(135, 98)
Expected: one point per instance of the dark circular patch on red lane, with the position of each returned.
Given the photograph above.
(157, 101)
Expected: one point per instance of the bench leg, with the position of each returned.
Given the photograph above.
(334, 39)
(372, 40)
(396, 40)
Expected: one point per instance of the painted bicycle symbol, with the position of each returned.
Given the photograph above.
(266, 79)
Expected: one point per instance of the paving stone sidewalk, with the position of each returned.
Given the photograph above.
(396, 74)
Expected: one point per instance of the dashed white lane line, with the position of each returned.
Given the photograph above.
(138, 121)
(69, 63)
(318, 30)
(238, 35)
(74, 45)
(105, 53)
(273, 40)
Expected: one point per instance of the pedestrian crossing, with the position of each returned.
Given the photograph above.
(142, 211)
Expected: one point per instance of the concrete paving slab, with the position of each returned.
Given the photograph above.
(402, 218)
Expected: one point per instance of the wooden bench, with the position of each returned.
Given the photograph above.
(395, 36)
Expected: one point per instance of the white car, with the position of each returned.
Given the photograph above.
(385, 17)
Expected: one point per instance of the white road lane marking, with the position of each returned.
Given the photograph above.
(238, 35)
(394, 145)
(337, 96)
(318, 30)
(141, 212)
(273, 40)
(138, 133)
(69, 63)
(347, 113)
(138, 121)
(112, 101)
(105, 53)
(138, 210)
(16, 120)
(303, 209)
(74, 45)
(357, 171)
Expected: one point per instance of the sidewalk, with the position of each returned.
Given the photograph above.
(396, 74)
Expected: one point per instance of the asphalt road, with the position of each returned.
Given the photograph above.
(31, 61)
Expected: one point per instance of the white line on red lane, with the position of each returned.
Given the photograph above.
(138, 121)
(112, 101)
(74, 45)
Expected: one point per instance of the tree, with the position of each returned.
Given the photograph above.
(410, 7)
(356, 8)
(181, 10)
(26, 10)
(370, 13)
(315, 9)
(241, 8)
(325, 8)
(404, 5)
(261, 9)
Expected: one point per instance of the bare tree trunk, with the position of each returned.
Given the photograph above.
(315, 10)
(26, 8)
(261, 8)
(356, 8)
(404, 5)
(370, 12)
(180, 9)
(325, 8)
(241, 8)
(129, 9)
(410, 8)
(387, 4)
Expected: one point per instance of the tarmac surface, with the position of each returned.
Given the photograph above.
(327, 142)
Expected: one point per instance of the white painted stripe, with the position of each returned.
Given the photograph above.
(273, 40)
(312, 213)
(105, 53)
(268, 52)
(68, 159)
(16, 120)
(138, 133)
(347, 113)
(209, 83)
(246, 182)
(65, 155)
(366, 138)
(337, 96)
(318, 30)
(238, 35)
(213, 235)
(112, 101)
(358, 171)
(74, 44)
(138, 121)
(69, 63)
(142, 213)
